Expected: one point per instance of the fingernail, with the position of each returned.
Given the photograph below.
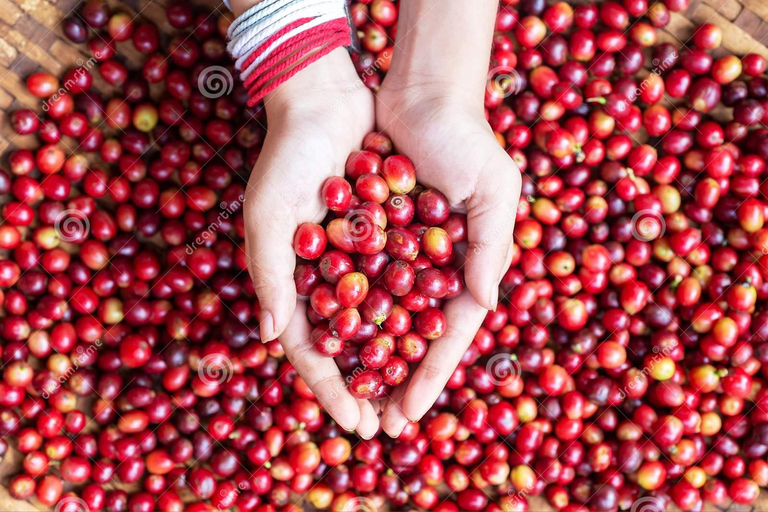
(501, 277)
(267, 326)
(494, 297)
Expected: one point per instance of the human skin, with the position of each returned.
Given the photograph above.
(431, 105)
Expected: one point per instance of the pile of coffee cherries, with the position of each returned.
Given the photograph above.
(381, 284)
(625, 368)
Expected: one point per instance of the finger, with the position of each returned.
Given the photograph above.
(271, 262)
(319, 372)
(507, 261)
(491, 211)
(464, 316)
(368, 426)
(393, 419)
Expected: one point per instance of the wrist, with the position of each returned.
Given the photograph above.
(316, 89)
(446, 55)
(240, 6)
(421, 86)
(325, 102)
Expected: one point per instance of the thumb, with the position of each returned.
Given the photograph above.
(271, 262)
(491, 212)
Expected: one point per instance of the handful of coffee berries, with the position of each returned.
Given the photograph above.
(378, 268)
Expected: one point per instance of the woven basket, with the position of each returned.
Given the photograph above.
(31, 39)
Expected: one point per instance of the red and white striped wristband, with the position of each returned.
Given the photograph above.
(275, 39)
(255, 29)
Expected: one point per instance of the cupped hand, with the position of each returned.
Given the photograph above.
(315, 120)
(455, 151)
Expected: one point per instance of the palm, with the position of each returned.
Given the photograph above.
(299, 154)
(455, 152)
(296, 159)
(449, 149)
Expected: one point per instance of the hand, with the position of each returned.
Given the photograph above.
(315, 120)
(455, 151)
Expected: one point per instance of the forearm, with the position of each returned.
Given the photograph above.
(445, 43)
(309, 34)
(320, 88)
(240, 6)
